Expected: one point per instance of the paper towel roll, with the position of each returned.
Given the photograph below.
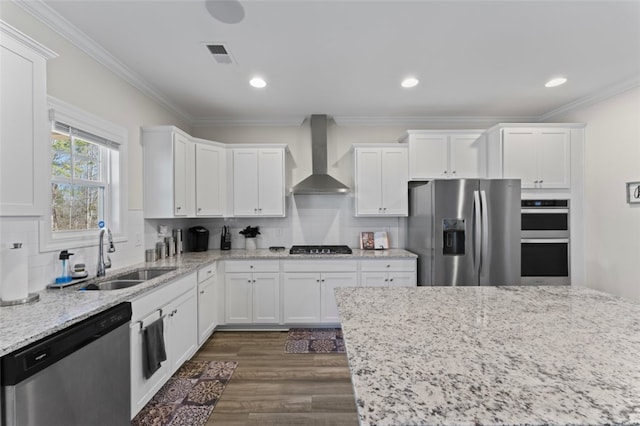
(14, 276)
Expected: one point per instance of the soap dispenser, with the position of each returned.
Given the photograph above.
(65, 273)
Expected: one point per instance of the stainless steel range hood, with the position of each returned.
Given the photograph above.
(319, 182)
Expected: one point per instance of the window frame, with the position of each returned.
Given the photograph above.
(115, 195)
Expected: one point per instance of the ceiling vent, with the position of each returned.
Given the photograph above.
(220, 53)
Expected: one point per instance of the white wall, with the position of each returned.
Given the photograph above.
(77, 79)
(612, 158)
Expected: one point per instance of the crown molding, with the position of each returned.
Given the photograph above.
(16, 34)
(415, 121)
(291, 121)
(66, 29)
(606, 93)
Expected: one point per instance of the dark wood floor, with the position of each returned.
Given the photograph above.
(270, 387)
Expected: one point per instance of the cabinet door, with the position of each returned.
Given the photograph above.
(245, 182)
(466, 156)
(394, 181)
(368, 181)
(142, 389)
(180, 179)
(402, 279)
(266, 298)
(428, 157)
(271, 182)
(301, 297)
(374, 279)
(519, 156)
(182, 329)
(554, 158)
(24, 131)
(238, 298)
(207, 309)
(329, 281)
(209, 180)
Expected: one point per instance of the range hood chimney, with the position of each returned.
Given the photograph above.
(319, 182)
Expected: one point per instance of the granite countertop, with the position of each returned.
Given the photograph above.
(59, 308)
(492, 355)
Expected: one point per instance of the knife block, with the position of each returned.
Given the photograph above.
(225, 242)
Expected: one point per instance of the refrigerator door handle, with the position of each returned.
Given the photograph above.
(477, 227)
(485, 229)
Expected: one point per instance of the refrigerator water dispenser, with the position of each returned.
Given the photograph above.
(453, 237)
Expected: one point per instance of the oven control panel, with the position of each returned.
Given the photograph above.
(558, 204)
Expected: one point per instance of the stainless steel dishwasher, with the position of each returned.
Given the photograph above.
(78, 376)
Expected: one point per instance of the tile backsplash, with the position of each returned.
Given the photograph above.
(311, 219)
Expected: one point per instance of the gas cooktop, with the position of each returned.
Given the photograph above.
(320, 250)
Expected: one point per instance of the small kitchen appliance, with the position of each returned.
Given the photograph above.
(199, 238)
(225, 239)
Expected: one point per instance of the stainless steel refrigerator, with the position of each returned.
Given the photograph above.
(466, 232)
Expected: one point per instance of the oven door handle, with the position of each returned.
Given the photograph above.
(545, 211)
(545, 240)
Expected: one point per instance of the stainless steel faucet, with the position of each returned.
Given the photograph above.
(102, 265)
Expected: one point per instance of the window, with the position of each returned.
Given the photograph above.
(86, 171)
(80, 181)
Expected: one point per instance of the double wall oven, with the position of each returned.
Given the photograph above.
(545, 242)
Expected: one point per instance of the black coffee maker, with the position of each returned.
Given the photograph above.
(199, 238)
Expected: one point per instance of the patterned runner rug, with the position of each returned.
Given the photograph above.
(189, 396)
(314, 340)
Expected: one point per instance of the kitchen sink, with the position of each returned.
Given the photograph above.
(144, 274)
(112, 285)
(129, 279)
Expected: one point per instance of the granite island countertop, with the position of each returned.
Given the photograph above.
(492, 355)
(59, 308)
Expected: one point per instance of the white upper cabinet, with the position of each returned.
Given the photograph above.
(445, 154)
(540, 157)
(183, 177)
(182, 181)
(381, 181)
(24, 128)
(258, 181)
(210, 190)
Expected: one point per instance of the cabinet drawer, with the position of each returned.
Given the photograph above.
(207, 272)
(388, 265)
(320, 265)
(148, 302)
(252, 266)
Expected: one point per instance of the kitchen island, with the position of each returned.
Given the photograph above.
(492, 355)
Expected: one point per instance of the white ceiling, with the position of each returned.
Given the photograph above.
(474, 59)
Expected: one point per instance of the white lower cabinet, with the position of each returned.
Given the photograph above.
(176, 304)
(208, 302)
(252, 292)
(329, 282)
(301, 297)
(308, 289)
(388, 273)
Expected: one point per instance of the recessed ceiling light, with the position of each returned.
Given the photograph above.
(409, 82)
(558, 81)
(258, 82)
